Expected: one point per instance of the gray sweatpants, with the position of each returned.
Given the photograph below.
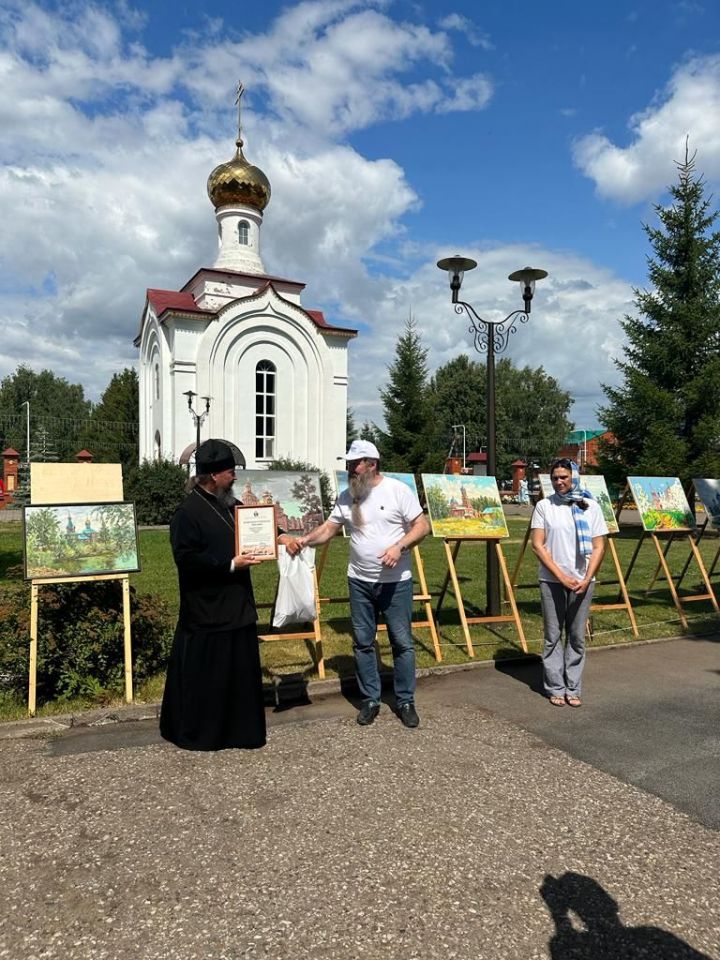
(563, 609)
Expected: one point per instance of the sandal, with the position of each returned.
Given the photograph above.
(557, 701)
(573, 701)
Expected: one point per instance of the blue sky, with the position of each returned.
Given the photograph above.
(392, 133)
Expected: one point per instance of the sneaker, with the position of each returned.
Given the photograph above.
(368, 711)
(409, 716)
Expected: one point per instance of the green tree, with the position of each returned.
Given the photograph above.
(158, 488)
(56, 406)
(351, 431)
(531, 415)
(531, 411)
(403, 442)
(665, 416)
(112, 434)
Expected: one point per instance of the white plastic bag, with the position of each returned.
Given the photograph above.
(295, 601)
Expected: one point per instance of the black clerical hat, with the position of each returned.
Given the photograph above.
(214, 456)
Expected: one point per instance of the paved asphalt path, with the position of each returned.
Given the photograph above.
(651, 716)
(502, 829)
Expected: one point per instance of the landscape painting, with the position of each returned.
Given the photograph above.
(464, 506)
(341, 480)
(709, 493)
(595, 484)
(662, 504)
(80, 540)
(296, 497)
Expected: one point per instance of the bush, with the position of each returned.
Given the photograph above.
(158, 489)
(80, 639)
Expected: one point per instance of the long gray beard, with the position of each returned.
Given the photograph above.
(226, 498)
(360, 486)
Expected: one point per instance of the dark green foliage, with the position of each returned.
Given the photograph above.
(351, 432)
(665, 416)
(112, 433)
(56, 406)
(403, 444)
(158, 488)
(531, 412)
(299, 466)
(80, 645)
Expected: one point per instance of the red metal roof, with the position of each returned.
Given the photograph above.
(163, 300)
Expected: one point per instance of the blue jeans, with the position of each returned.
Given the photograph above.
(394, 601)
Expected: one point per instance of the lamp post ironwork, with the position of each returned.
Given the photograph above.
(198, 418)
(491, 337)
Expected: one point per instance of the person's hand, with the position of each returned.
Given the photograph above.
(291, 544)
(243, 560)
(581, 587)
(570, 583)
(391, 556)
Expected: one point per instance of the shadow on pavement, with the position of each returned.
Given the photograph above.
(587, 926)
(527, 671)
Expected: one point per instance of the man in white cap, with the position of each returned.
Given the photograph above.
(385, 520)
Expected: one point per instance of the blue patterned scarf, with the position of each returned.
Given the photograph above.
(574, 497)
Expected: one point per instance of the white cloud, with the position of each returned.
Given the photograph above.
(689, 106)
(456, 21)
(573, 330)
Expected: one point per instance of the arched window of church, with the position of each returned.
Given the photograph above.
(265, 374)
(156, 378)
(244, 232)
(158, 446)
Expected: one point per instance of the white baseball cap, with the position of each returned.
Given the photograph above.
(360, 450)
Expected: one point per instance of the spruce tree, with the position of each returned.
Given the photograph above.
(665, 417)
(404, 441)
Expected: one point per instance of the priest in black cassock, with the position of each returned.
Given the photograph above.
(213, 691)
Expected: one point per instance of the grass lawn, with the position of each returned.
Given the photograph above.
(655, 613)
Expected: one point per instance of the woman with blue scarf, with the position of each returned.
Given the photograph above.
(568, 538)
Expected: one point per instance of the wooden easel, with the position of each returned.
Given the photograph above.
(90, 483)
(35, 585)
(423, 597)
(514, 617)
(663, 564)
(314, 635)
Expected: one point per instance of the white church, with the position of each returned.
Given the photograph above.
(276, 372)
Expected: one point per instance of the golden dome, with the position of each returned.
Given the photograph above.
(238, 182)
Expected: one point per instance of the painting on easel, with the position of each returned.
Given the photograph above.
(295, 496)
(341, 480)
(662, 504)
(709, 493)
(80, 540)
(595, 484)
(464, 506)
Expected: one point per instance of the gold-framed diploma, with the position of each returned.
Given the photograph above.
(256, 531)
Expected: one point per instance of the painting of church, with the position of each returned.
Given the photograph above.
(275, 371)
(296, 496)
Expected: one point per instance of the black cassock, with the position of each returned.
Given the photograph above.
(213, 691)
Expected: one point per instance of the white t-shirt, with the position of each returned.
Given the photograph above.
(556, 519)
(388, 513)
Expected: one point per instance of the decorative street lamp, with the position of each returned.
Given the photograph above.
(198, 418)
(491, 337)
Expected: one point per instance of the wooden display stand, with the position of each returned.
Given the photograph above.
(423, 597)
(663, 565)
(514, 617)
(89, 483)
(694, 553)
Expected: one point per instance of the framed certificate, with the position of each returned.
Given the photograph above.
(256, 531)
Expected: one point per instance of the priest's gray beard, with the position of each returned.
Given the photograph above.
(360, 485)
(226, 498)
